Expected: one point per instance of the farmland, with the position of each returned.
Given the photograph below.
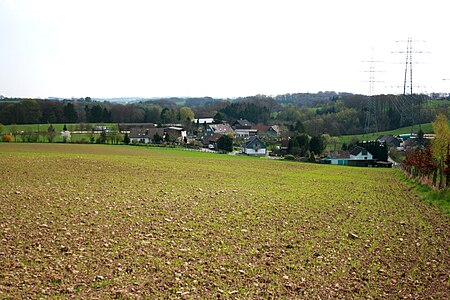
(97, 221)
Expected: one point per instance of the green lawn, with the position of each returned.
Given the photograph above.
(98, 221)
(426, 127)
(44, 127)
(439, 102)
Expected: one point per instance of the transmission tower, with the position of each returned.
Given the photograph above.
(371, 123)
(409, 65)
(409, 106)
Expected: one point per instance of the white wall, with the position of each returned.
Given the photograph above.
(138, 140)
(361, 156)
(255, 152)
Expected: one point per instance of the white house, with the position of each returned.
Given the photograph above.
(338, 157)
(254, 146)
(245, 132)
(360, 153)
(357, 156)
(145, 135)
(202, 121)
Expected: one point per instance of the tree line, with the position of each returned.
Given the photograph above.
(331, 113)
(37, 111)
(430, 162)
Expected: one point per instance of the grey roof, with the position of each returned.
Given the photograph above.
(389, 140)
(254, 143)
(211, 139)
(242, 123)
(339, 154)
(145, 132)
(357, 149)
(221, 128)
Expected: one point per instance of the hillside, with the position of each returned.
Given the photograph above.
(425, 127)
(325, 112)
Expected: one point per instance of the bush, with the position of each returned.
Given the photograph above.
(7, 138)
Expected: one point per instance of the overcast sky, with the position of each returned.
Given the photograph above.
(160, 48)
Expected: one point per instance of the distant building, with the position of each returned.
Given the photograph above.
(390, 141)
(357, 156)
(145, 135)
(245, 132)
(267, 130)
(360, 153)
(178, 133)
(126, 127)
(255, 147)
(101, 128)
(338, 157)
(212, 129)
(202, 121)
(242, 124)
(210, 142)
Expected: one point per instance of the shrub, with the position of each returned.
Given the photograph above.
(7, 138)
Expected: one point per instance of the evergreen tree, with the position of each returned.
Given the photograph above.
(157, 138)
(225, 143)
(299, 145)
(303, 143)
(96, 114)
(126, 139)
(293, 147)
(70, 115)
(316, 145)
(299, 127)
(421, 140)
(218, 118)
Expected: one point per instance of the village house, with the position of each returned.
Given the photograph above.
(267, 131)
(356, 156)
(245, 132)
(212, 129)
(176, 134)
(254, 146)
(145, 135)
(202, 121)
(210, 142)
(101, 128)
(390, 141)
(242, 124)
(360, 153)
(337, 157)
(243, 128)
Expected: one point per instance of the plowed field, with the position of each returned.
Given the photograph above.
(94, 221)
